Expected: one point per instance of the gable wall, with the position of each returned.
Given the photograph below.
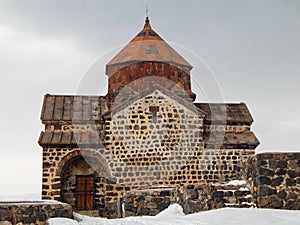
(147, 152)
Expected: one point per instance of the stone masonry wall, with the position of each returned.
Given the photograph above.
(60, 167)
(147, 202)
(149, 145)
(33, 212)
(192, 198)
(277, 180)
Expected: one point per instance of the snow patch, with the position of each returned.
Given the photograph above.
(243, 189)
(236, 182)
(61, 221)
(173, 215)
(174, 210)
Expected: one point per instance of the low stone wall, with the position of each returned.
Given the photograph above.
(277, 180)
(12, 213)
(193, 198)
(213, 196)
(147, 202)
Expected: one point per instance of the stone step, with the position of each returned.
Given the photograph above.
(92, 213)
(238, 195)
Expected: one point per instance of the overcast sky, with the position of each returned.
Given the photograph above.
(252, 47)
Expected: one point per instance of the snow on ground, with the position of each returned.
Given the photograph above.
(174, 215)
(228, 216)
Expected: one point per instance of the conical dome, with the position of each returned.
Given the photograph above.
(148, 55)
(147, 46)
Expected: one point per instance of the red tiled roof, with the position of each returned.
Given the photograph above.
(147, 45)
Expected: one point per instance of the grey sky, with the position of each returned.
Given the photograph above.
(47, 47)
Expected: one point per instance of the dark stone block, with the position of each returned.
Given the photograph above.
(298, 180)
(291, 204)
(238, 193)
(193, 206)
(112, 194)
(140, 198)
(266, 191)
(165, 193)
(46, 165)
(277, 181)
(282, 194)
(45, 186)
(41, 216)
(27, 210)
(263, 202)
(293, 195)
(29, 220)
(217, 194)
(143, 211)
(265, 172)
(120, 188)
(153, 212)
(264, 156)
(276, 202)
(5, 215)
(290, 182)
(109, 187)
(130, 207)
(56, 186)
(163, 205)
(281, 172)
(19, 218)
(192, 193)
(293, 173)
(282, 164)
(264, 180)
(273, 164)
(295, 156)
(229, 193)
(262, 163)
(60, 213)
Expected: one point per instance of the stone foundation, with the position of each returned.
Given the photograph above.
(12, 213)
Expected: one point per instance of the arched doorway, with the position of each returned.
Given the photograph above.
(82, 185)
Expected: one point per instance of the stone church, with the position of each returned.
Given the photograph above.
(146, 133)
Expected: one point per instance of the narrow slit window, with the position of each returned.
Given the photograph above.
(154, 110)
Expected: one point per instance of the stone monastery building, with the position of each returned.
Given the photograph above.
(146, 135)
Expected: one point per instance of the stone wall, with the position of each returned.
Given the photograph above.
(277, 180)
(147, 202)
(192, 198)
(32, 212)
(150, 145)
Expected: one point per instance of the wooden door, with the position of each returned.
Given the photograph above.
(85, 192)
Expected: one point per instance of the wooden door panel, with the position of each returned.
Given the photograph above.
(85, 192)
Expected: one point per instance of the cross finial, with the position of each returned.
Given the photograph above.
(147, 22)
(146, 10)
